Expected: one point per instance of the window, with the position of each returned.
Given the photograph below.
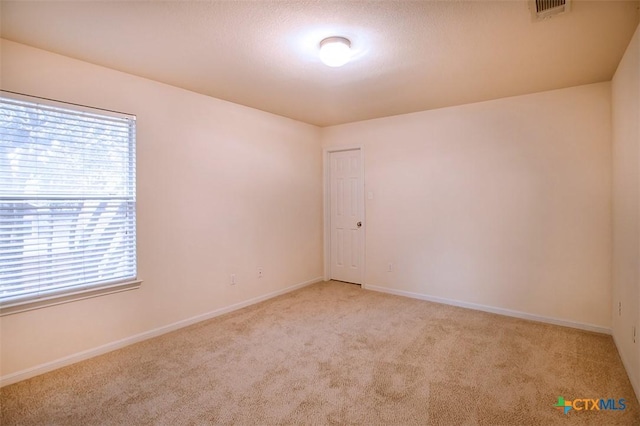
(67, 200)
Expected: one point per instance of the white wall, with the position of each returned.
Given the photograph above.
(625, 91)
(222, 189)
(505, 203)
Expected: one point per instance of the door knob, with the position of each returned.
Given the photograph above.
(359, 224)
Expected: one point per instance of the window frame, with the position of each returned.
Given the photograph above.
(79, 291)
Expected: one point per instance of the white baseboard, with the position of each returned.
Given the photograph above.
(491, 309)
(634, 380)
(90, 353)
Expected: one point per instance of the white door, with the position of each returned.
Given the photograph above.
(346, 216)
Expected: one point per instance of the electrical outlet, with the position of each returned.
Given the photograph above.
(260, 272)
(233, 279)
(619, 308)
(390, 267)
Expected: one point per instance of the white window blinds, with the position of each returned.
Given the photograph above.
(67, 199)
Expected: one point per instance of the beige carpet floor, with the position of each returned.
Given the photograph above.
(332, 353)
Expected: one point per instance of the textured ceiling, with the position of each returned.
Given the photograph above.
(410, 55)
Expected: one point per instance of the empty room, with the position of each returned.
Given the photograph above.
(320, 212)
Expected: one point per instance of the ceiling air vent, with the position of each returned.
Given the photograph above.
(545, 9)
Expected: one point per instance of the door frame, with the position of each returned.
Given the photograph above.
(326, 195)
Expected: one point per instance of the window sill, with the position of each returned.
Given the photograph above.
(59, 299)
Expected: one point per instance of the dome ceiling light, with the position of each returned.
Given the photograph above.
(335, 51)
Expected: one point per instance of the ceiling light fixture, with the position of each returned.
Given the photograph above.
(335, 51)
